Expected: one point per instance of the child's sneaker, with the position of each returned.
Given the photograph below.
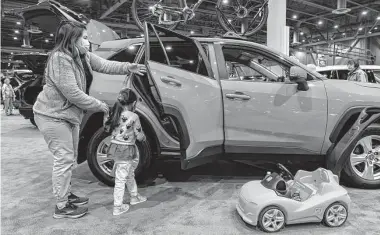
(138, 199)
(69, 211)
(118, 210)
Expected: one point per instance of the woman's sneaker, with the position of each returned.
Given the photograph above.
(70, 211)
(118, 210)
(138, 199)
(78, 201)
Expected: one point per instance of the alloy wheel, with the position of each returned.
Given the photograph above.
(105, 162)
(273, 220)
(365, 158)
(336, 215)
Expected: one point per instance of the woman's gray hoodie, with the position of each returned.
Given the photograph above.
(63, 96)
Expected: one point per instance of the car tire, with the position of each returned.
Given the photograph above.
(33, 122)
(103, 176)
(330, 215)
(267, 211)
(351, 176)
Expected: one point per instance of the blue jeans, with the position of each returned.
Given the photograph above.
(62, 138)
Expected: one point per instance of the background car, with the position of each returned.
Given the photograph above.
(341, 72)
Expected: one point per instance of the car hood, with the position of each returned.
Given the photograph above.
(46, 17)
(35, 61)
(255, 192)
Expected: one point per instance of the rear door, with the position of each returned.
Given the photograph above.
(187, 90)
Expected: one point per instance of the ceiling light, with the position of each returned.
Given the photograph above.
(301, 33)
(15, 38)
(364, 13)
(16, 31)
(225, 1)
(51, 35)
(378, 18)
(360, 29)
(343, 33)
(336, 26)
(168, 48)
(192, 32)
(318, 39)
(320, 22)
(369, 32)
(303, 40)
(376, 28)
(11, 53)
(295, 16)
(46, 40)
(150, 7)
(131, 48)
(18, 22)
(142, 35)
(229, 20)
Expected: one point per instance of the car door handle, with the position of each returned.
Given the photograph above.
(171, 81)
(238, 96)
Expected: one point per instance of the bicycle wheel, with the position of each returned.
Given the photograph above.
(150, 11)
(243, 17)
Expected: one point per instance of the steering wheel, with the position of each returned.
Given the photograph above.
(284, 172)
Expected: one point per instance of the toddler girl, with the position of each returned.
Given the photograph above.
(126, 128)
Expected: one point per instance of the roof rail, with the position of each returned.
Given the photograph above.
(234, 35)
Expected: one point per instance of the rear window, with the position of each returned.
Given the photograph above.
(127, 55)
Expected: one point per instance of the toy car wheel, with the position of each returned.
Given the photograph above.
(272, 219)
(335, 215)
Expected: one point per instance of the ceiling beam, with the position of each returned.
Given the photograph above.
(312, 4)
(330, 13)
(358, 4)
(113, 8)
(340, 40)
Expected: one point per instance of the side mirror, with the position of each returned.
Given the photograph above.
(299, 76)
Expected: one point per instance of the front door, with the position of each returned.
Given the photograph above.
(264, 112)
(187, 90)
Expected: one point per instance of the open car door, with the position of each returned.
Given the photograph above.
(187, 91)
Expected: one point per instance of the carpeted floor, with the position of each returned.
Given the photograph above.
(197, 204)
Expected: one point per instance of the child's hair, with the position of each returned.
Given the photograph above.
(126, 97)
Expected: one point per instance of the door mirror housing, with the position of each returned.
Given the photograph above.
(299, 76)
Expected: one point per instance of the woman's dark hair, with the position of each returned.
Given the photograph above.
(126, 97)
(353, 62)
(66, 36)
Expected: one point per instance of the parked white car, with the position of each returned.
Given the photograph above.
(341, 72)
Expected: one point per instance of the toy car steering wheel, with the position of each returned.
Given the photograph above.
(285, 171)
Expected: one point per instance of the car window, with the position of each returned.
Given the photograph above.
(250, 65)
(176, 51)
(182, 55)
(127, 55)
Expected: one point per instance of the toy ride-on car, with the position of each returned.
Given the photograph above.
(281, 199)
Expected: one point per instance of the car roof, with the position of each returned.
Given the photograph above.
(344, 67)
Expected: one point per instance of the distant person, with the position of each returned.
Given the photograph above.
(125, 128)
(59, 108)
(355, 74)
(8, 97)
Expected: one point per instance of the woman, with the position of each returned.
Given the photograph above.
(355, 73)
(59, 108)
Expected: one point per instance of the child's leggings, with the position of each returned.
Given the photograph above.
(125, 175)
